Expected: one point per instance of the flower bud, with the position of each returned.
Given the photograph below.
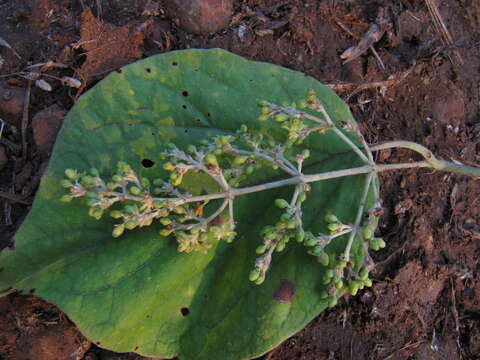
(165, 232)
(330, 218)
(367, 282)
(165, 221)
(263, 117)
(323, 258)
(280, 246)
(281, 118)
(302, 197)
(131, 224)
(363, 274)
(300, 235)
(261, 249)
(239, 160)
(249, 169)
(331, 301)
(191, 149)
(117, 178)
(306, 153)
(211, 159)
(118, 230)
(254, 274)
(134, 190)
(94, 172)
(262, 103)
(353, 288)
(116, 214)
(66, 183)
(260, 279)
(281, 203)
(368, 233)
(71, 174)
(169, 166)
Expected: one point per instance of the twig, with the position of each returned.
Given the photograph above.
(442, 29)
(455, 316)
(14, 198)
(26, 105)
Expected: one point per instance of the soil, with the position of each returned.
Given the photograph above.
(425, 300)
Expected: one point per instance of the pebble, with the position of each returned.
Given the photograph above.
(11, 104)
(46, 124)
(201, 16)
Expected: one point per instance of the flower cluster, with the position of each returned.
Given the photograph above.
(197, 221)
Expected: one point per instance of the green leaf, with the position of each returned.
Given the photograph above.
(132, 293)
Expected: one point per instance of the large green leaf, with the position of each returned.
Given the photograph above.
(127, 294)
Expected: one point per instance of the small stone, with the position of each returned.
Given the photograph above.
(3, 158)
(11, 104)
(201, 16)
(46, 124)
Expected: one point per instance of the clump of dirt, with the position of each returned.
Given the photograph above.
(425, 301)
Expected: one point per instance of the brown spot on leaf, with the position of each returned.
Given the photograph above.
(285, 291)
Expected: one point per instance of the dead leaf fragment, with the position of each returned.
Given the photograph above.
(107, 47)
(373, 34)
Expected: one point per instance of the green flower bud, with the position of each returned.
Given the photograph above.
(262, 103)
(131, 224)
(196, 229)
(179, 210)
(116, 214)
(165, 232)
(363, 274)
(91, 202)
(66, 198)
(302, 197)
(368, 233)
(94, 172)
(334, 227)
(111, 186)
(165, 221)
(342, 264)
(260, 279)
(117, 178)
(323, 294)
(330, 218)
(281, 118)
(306, 153)
(158, 182)
(302, 104)
(331, 301)
(134, 190)
(367, 282)
(261, 249)
(66, 183)
(353, 288)
(338, 284)
(265, 110)
(71, 174)
(95, 212)
(281, 203)
(239, 160)
(263, 117)
(243, 128)
(177, 181)
(381, 243)
(373, 243)
(145, 182)
(169, 166)
(218, 151)
(118, 230)
(280, 246)
(87, 180)
(323, 258)
(311, 96)
(291, 224)
(329, 273)
(311, 241)
(254, 274)
(300, 235)
(91, 195)
(211, 159)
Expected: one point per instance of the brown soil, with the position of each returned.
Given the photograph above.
(425, 301)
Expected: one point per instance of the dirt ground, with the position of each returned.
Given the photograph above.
(425, 301)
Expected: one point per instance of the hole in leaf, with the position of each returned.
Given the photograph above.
(285, 291)
(199, 120)
(148, 70)
(185, 93)
(186, 131)
(98, 342)
(147, 163)
(1, 269)
(184, 106)
(174, 63)
(136, 348)
(185, 311)
(31, 291)
(153, 133)
(148, 316)
(208, 114)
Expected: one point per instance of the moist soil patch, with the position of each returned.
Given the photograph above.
(424, 303)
